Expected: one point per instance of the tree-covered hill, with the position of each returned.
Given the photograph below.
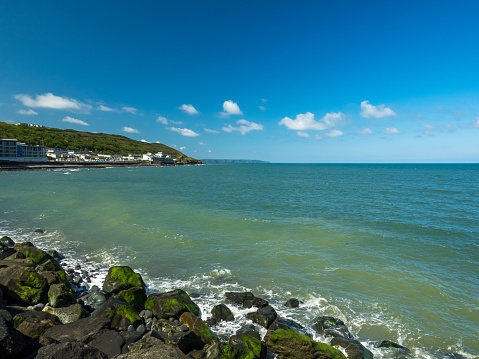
(85, 141)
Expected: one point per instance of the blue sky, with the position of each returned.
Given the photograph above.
(282, 81)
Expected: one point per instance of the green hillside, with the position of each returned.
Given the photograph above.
(85, 141)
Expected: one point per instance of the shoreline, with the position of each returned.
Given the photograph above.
(28, 166)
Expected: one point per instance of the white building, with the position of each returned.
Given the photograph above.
(159, 157)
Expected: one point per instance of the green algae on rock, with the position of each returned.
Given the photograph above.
(171, 304)
(135, 296)
(120, 278)
(61, 295)
(122, 315)
(21, 284)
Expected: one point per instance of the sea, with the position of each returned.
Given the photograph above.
(390, 249)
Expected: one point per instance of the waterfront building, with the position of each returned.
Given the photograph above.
(12, 150)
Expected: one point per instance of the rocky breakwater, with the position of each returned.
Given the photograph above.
(45, 312)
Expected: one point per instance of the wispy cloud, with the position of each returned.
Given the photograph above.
(184, 131)
(429, 130)
(211, 131)
(162, 120)
(28, 112)
(129, 109)
(264, 100)
(49, 100)
(371, 111)
(74, 121)
(105, 108)
(176, 122)
(262, 108)
(189, 109)
(244, 127)
(391, 131)
(365, 131)
(306, 121)
(130, 130)
(332, 133)
(303, 134)
(230, 108)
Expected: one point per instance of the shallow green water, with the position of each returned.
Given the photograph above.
(391, 249)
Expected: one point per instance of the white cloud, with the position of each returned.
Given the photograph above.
(429, 130)
(129, 109)
(209, 151)
(145, 141)
(130, 130)
(49, 100)
(334, 133)
(28, 112)
(201, 143)
(157, 142)
(105, 108)
(211, 131)
(74, 121)
(306, 121)
(182, 148)
(391, 131)
(262, 108)
(230, 108)
(264, 100)
(189, 109)
(244, 127)
(184, 131)
(365, 131)
(370, 111)
(176, 122)
(162, 120)
(303, 134)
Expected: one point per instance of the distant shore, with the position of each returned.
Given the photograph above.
(27, 166)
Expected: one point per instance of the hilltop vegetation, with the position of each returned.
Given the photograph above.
(85, 141)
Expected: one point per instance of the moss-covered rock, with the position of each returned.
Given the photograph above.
(67, 314)
(222, 351)
(33, 324)
(120, 278)
(37, 255)
(283, 339)
(21, 284)
(136, 297)
(6, 242)
(197, 326)
(122, 315)
(61, 295)
(248, 347)
(49, 265)
(171, 304)
(55, 277)
(354, 349)
(221, 312)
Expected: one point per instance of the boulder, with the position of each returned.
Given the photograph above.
(171, 304)
(6, 252)
(21, 284)
(221, 351)
(67, 314)
(37, 255)
(149, 340)
(222, 312)
(245, 299)
(331, 327)
(70, 350)
(197, 326)
(120, 278)
(249, 330)
(49, 265)
(186, 341)
(94, 299)
(135, 296)
(54, 277)
(284, 339)
(390, 344)
(12, 342)
(61, 295)
(6, 242)
(165, 351)
(263, 316)
(122, 315)
(83, 330)
(248, 346)
(292, 303)
(110, 342)
(33, 323)
(353, 348)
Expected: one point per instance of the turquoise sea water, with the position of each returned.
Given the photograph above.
(393, 250)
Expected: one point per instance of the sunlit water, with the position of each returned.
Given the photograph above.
(393, 250)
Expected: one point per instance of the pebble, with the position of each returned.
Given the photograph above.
(131, 328)
(183, 328)
(141, 329)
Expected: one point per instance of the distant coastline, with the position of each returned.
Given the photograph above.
(211, 161)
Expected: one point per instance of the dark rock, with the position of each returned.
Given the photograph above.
(77, 267)
(284, 340)
(6, 252)
(55, 277)
(135, 296)
(331, 327)
(221, 351)
(130, 337)
(222, 312)
(171, 304)
(390, 344)
(263, 316)
(49, 265)
(249, 330)
(41, 231)
(292, 303)
(163, 325)
(120, 278)
(12, 342)
(33, 324)
(186, 341)
(197, 326)
(21, 284)
(61, 295)
(110, 342)
(6, 242)
(245, 299)
(35, 254)
(83, 330)
(70, 350)
(121, 314)
(94, 299)
(165, 351)
(248, 346)
(141, 329)
(353, 348)
(197, 354)
(183, 328)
